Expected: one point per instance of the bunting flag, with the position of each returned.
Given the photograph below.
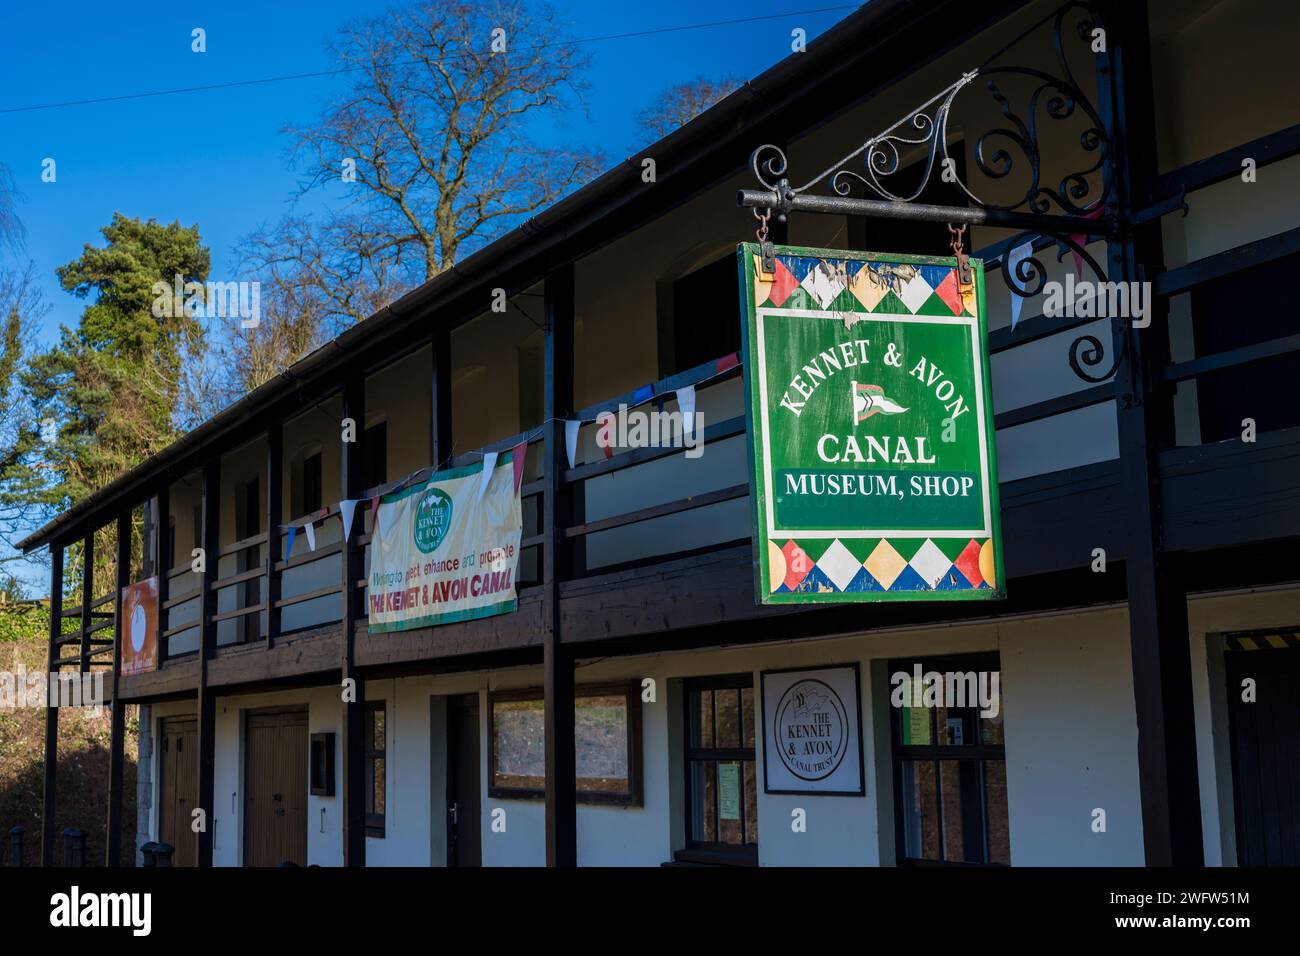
(643, 394)
(728, 362)
(1082, 240)
(310, 528)
(374, 517)
(518, 455)
(686, 405)
(347, 509)
(1014, 258)
(489, 466)
(571, 429)
(288, 542)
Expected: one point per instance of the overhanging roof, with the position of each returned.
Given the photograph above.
(872, 46)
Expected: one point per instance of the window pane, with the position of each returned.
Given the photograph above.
(601, 737)
(377, 728)
(953, 726)
(995, 797)
(377, 786)
(703, 804)
(751, 804)
(991, 727)
(728, 705)
(920, 811)
(747, 715)
(518, 745)
(953, 837)
(702, 718)
(914, 726)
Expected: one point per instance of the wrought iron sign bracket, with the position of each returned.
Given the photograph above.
(1077, 208)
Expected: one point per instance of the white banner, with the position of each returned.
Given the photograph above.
(447, 550)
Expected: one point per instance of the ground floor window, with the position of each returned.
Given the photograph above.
(950, 778)
(721, 785)
(607, 743)
(376, 783)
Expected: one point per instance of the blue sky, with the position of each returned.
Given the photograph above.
(217, 157)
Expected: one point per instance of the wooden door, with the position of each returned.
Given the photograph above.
(464, 822)
(178, 774)
(1266, 755)
(275, 788)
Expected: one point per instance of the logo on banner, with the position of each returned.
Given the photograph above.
(432, 520)
(812, 728)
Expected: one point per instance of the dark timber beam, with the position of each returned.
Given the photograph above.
(87, 598)
(207, 698)
(557, 660)
(52, 708)
(1158, 635)
(354, 705)
(274, 517)
(165, 561)
(117, 711)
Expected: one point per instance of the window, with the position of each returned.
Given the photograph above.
(375, 763)
(697, 316)
(374, 446)
(950, 778)
(311, 485)
(607, 737)
(721, 787)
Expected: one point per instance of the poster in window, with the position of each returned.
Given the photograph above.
(812, 731)
(139, 631)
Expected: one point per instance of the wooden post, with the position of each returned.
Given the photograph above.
(162, 529)
(354, 711)
(207, 702)
(1157, 604)
(274, 517)
(87, 598)
(117, 713)
(557, 661)
(440, 440)
(52, 708)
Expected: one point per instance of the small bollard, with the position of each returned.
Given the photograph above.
(74, 847)
(16, 835)
(149, 853)
(163, 854)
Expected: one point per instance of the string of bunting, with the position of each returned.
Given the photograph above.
(347, 508)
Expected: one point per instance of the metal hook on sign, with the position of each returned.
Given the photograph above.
(965, 276)
(767, 249)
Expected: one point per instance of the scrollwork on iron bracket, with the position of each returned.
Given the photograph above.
(1082, 192)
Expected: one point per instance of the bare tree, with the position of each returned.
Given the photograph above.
(12, 232)
(679, 104)
(434, 134)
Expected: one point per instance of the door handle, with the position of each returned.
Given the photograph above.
(454, 812)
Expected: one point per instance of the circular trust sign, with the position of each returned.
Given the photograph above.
(432, 519)
(139, 628)
(811, 729)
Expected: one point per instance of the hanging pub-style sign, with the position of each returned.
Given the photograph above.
(873, 472)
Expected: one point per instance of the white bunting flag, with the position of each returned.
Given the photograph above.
(310, 528)
(346, 510)
(1014, 258)
(686, 404)
(571, 441)
(489, 466)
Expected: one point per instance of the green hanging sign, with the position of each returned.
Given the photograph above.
(872, 457)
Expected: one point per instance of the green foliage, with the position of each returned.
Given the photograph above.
(25, 622)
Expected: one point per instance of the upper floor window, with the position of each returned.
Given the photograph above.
(699, 316)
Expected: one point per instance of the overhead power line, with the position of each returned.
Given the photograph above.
(319, 73)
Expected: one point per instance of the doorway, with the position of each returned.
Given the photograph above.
(1265, 735)
(178, 775)
(275, 788)
(464, 784)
